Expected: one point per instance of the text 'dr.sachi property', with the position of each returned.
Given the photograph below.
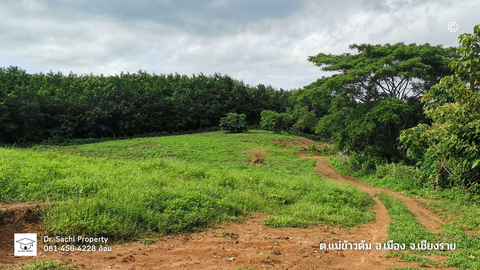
(75, 239)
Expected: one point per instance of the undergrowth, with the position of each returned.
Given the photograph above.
(406, 179)
(43, 265)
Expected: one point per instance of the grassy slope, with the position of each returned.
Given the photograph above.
(175, 184)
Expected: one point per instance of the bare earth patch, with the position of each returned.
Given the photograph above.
(231, 245)
(296, 141)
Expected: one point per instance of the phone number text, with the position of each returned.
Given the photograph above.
(87, 248)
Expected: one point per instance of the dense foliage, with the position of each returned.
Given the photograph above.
(448, 149)
(36, 107)
(275, 121)
(297, 121)
(374, 95)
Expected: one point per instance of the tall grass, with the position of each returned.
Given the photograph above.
(258, 155)
(407, 179)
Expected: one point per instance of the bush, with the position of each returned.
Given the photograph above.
(398, 177)
(234, 123)
(275, 121)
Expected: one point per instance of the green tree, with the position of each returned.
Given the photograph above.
(234, 123)
(447, 149)
(304, 119)
(378, 71)
(375, 94)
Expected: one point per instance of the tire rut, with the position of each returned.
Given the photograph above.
(377, 231)
(427, 218)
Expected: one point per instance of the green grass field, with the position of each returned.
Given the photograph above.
(125, 188)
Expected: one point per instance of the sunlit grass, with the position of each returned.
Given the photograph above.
(120, 189)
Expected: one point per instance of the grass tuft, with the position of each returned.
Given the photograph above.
(258, 155)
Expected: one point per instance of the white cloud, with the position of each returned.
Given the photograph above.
(272, 49)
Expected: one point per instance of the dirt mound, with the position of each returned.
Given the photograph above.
(16, 218)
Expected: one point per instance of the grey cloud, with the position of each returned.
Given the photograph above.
(199, 16)
(257, 41)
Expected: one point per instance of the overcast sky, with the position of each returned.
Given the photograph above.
(257, 41)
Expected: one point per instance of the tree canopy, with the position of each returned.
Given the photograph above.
(379, 71)
(36, 107)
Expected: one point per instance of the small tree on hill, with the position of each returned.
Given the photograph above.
(234, 123)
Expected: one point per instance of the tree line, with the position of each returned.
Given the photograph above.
(54, 106)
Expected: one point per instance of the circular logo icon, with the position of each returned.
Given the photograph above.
(453, 27)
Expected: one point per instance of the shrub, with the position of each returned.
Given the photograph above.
(234, 123)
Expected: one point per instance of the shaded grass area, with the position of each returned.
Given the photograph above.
(170, 185)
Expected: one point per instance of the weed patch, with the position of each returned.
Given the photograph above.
(424, 262)
(44, 265)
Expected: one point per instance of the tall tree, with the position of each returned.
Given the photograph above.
(375, 94)
(377, 71)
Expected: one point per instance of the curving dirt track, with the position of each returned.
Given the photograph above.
(427, 218)
(230, 245)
